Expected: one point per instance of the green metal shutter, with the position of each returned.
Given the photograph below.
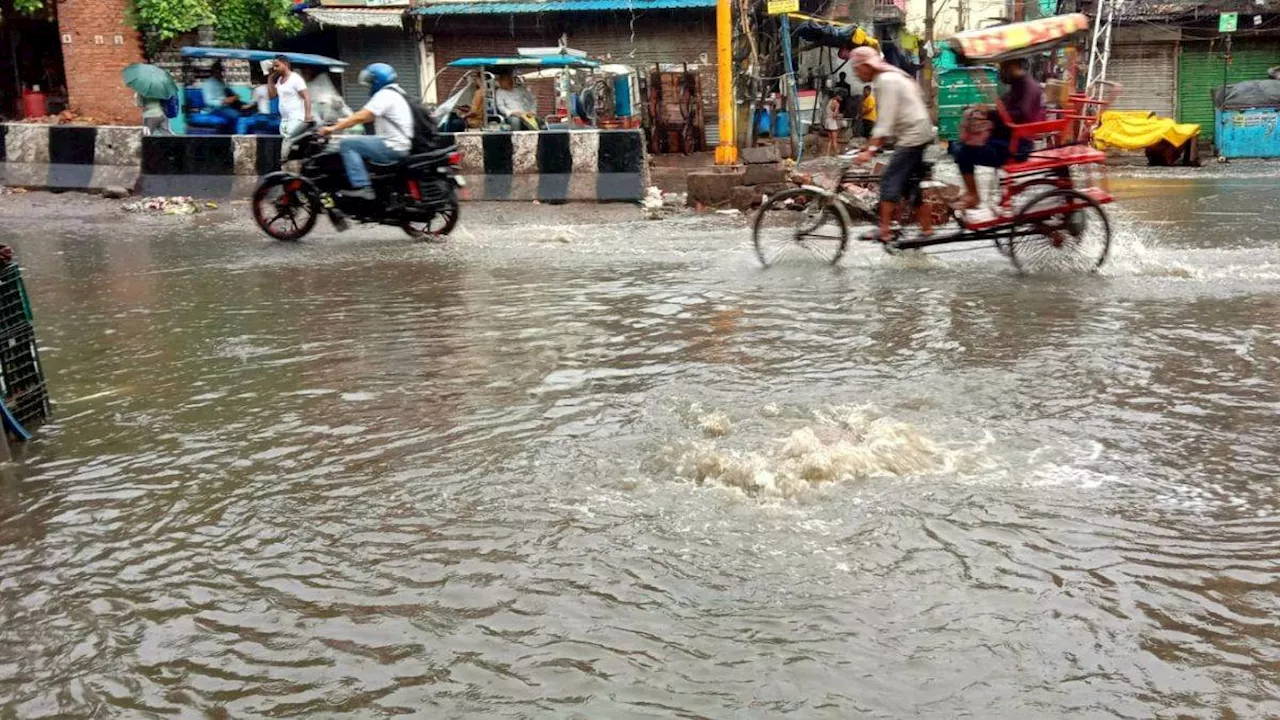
(1200, 73)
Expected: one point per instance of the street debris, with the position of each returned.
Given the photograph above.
(11, 190)
(656, 203)
(562, 235)
(729, 211)
(66, 117)
(177, 205)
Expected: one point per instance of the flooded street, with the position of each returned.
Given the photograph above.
(615, 470)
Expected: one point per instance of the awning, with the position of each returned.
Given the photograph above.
(356, 17)
(521, 7)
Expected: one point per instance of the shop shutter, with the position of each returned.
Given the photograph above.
(360, 46)
(1200, 72)
(1145, 72)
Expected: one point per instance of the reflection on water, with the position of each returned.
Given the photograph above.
(517, 479)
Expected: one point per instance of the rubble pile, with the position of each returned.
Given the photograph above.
(657, 204)
(66, 117)
(761, 174)
(178, 205)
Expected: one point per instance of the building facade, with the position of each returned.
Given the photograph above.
(639, 33)
(97, 43)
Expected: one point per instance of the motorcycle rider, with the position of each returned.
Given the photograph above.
(388, 110)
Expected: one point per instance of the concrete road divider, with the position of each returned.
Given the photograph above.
(69, 157)
(206, 166)
(549, 166)
(555, 165)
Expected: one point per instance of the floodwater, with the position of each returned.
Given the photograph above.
(618, 471)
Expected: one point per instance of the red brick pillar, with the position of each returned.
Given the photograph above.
(96, 45)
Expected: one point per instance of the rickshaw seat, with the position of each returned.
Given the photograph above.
(1055, 157)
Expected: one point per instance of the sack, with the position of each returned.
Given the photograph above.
(423, 137)
(976, 126)
(171, 108)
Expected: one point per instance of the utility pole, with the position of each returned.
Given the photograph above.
(727, 150)
(926, 58)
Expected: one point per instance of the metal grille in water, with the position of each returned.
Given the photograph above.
(21, 376)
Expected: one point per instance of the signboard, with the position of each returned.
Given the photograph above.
(782, 7)
(1227, 22)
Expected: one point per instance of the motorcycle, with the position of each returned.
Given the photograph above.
(418, 194)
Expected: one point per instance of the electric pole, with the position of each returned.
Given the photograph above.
(926, 58)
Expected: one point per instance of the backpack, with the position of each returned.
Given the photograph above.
(171, 108)
(423, 137)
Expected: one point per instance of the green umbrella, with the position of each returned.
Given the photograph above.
(149, 81)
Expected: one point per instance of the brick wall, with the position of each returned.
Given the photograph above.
(660, 37)
(488, 36)
(102, 44)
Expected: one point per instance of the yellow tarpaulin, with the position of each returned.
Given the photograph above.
(1138, 130)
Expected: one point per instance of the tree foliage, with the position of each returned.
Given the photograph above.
(27, 7)
(236, 22)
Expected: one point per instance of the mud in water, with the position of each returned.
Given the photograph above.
(615, 470)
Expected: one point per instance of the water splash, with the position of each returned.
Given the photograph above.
(838, 444)
(1129, 255)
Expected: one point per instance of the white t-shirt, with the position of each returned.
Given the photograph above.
(262, 98)
(289, 91)
(393, 121)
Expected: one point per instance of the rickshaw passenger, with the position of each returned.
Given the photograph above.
(516, 105)
(1025, 104)
(902, 117)
(475, 114)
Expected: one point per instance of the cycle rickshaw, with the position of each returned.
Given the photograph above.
(1048, 213)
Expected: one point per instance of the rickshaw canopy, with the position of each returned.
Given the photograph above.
(305, 59)
(1016, 40)
(532, 62)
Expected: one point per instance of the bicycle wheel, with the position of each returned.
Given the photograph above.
(801, 222)
(1021, 196)
(1068, 232)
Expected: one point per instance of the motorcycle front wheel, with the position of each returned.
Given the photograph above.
(285, 209)
(440, 224)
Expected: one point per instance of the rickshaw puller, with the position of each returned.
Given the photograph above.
(903, 117)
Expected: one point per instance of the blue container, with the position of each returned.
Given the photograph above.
(1248, 133)
(764, 121)
(782, 124)
(622, 96)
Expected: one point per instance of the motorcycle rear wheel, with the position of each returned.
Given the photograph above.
(285, 209)
(440, 224)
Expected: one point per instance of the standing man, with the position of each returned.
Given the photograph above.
(867, 112)
(842, 83)
(388, 109)
(902, 117)
(295, 99)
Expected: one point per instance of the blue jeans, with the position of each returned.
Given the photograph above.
(356, 149)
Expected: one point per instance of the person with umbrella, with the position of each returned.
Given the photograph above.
(152, 87)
